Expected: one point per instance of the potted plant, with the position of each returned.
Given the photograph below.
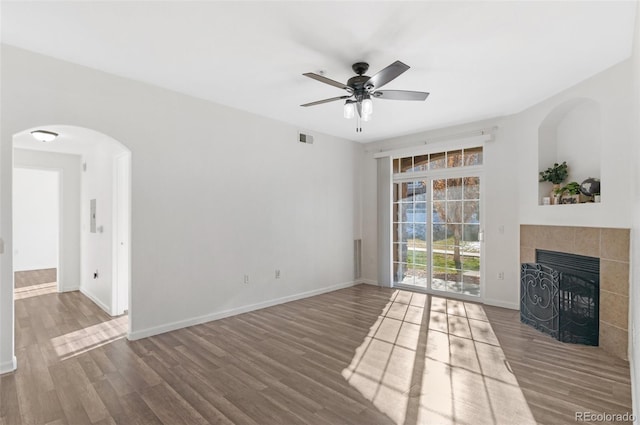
(572, 190)
(555, 175)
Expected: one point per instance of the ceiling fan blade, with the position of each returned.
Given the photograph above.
(327, 80)
(387, 74)
(332, 99)
(401, 95)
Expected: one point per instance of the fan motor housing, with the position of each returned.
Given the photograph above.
(357, 83)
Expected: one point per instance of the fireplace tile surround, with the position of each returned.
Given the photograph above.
(612, 247)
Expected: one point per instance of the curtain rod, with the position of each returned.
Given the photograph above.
(480, 132)
(464, 138)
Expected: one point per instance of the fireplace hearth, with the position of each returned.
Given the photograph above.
(559, 295)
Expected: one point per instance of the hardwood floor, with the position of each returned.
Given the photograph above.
(362, 355)
(32, 283)
(35, 277)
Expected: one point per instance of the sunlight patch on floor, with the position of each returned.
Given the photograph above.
(35, 290)
(430, 360)
(89, 338)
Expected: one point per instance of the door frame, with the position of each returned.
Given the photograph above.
(60, 254)
(121, 238)
(429, 176)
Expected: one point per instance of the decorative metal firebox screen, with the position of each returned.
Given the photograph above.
(560, 295)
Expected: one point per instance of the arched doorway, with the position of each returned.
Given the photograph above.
(94, 210)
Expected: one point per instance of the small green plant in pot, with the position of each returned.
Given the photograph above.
(572, 189)
(556, 174)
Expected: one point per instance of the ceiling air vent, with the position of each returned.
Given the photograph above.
(305, 138)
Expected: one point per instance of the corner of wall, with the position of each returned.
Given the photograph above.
(8, 367)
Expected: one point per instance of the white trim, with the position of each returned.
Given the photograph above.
(144, 333)
(97, 302)
(440, 294)
(71, 289)
(503, 304)
(10, 366)
(369, 282)
(466, 171)
(464, 142)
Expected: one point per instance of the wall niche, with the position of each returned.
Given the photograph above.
(571, 132)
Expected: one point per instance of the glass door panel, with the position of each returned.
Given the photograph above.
(410, 230)
(455, 231)
(436, 234)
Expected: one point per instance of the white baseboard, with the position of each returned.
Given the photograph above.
(71, 289)
(96, 301)
(503, 304)
(9, 366)
(144, 333)
(369, 282)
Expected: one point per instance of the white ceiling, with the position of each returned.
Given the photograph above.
(477, 59)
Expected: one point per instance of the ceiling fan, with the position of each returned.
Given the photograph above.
(362, 89)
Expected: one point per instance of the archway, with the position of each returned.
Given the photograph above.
(95, 212)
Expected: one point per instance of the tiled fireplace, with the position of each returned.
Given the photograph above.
(612, 247)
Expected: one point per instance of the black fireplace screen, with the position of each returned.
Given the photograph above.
(559, 295)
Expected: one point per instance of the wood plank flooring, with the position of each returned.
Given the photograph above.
(34, 277)
(362, 355)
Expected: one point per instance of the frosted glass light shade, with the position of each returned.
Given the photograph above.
(367, 107)
(43, 135)
(349, 110)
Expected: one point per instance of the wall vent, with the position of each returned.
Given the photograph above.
(357, 258)
(305, 138)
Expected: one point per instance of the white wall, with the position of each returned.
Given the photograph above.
(580, 135)
(217, 193)
(69, 237)
(611, 91)
(97, 248)
(634, 310)
(511, 177)
(35, 219)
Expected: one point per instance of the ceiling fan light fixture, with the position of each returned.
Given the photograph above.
(367, 106)
(362, 88)
(349, 109)
(44, 135)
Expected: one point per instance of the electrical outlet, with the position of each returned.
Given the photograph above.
(500, 275)
(277, 274)
(246, 278)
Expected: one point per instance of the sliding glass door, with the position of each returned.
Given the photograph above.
(437, 233)
(436, 221)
